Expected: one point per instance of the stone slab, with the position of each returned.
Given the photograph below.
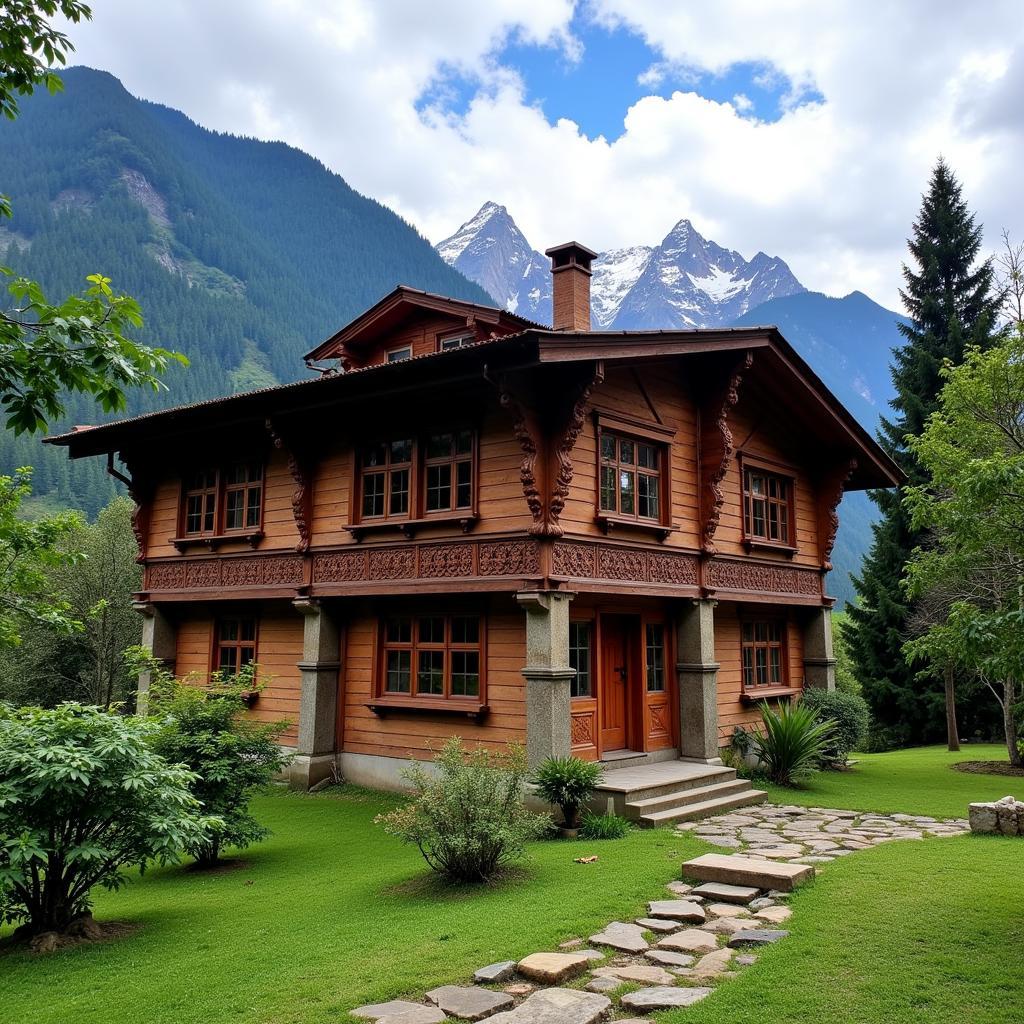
(725, 893)
(375, 1011)
(661, 997)
(736, 870)
(774, 915)
(647, 974)
(602, 984)
(658, 924)
(692, 940)
(669, 958)
(757, 937)
(727, 910)
(713, 964)
(492, 973)
(552, 968)
(678, 910)
(468, 1003)
(556, 1006)
(628, 938)
(421, 1015)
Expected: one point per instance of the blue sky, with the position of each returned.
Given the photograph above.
(612, 69)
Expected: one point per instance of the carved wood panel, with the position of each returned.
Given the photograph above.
(635, 565)
(219, 573)
(760, 578)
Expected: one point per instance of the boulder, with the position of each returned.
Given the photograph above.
(1004, 816)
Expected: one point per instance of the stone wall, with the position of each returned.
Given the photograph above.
(1003, 817)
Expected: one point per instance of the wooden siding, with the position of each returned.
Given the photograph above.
(732, 710)
(417, 734)
(420, 333)
(278, 651)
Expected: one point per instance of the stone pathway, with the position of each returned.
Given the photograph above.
(685, 944)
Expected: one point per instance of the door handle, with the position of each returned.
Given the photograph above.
(621, 669)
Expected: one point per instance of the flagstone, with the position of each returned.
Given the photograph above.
(661, 997)
(678, 910)
(619, 935)
(646, 973)
(692, 940)
(553, 968)
(469, 1003)
(556, 1006)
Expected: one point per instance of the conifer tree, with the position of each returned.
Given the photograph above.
(952, 303)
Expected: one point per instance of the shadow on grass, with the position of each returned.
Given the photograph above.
(430, 887)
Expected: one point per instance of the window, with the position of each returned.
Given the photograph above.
(436, 657)
(457, 341)
(579, 658)
(630, 477)
(448, 471)
(654, 646)
(235, 645)
(226, 500)
(243, 496)
(387, 479)
(766, 506)
(399, 355)
(764, 661)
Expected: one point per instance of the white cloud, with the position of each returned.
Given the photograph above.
(831, 186)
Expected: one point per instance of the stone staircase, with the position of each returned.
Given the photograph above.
(671, 791)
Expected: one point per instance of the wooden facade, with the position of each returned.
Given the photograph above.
(385, 540)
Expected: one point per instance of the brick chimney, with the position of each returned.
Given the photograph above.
(570, 270)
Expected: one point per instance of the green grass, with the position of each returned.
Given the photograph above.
(916, 781)
(907, 933)
(327, 914)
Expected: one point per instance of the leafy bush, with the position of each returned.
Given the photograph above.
(567, 782)
(230, 756)
(82, 797)
(851, 716)
(603, 826)
(792, 742)
(469, 819)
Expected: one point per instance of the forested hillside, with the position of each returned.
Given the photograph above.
(243, 254)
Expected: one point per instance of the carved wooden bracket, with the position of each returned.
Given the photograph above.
(829, 496)
(141, 490)
(564, 444)
(527, 433)
(302, 496)
(720, 451)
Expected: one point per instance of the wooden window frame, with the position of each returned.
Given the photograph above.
(637, 432)
(463, 335)
(445, 702)
(590, 624)
(394, 355)
(237, 645)
(220, 533)
(783, 473)
(249, 485)
(646, 625)
(386, 469)
(763, 691)
(452, 460)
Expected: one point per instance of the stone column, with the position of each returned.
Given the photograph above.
(547, 673)
(697, 673)
(159, 637)
(819, 660)
(314, 758)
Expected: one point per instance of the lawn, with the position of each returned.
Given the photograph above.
(326, 915)
(916, 781)
(331, 913)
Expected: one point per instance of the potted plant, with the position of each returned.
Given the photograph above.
(567, 782)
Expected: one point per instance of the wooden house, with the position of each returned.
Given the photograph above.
(607, 543)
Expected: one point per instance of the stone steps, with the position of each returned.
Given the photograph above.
(734, 869)
(695, 795)
(743, 796)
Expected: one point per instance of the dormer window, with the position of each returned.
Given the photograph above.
(399, 355)
(460, 340)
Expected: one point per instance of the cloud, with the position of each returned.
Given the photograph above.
(832, 185)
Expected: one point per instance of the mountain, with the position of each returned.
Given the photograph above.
(243, 254)
(685, 281)
(689, 281)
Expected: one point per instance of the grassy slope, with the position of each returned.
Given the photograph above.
(328, 914)
(916, 781)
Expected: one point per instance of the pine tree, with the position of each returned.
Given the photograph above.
(952, 303)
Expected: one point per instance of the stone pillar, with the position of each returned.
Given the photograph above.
(697, 673)
(547, 673)
(314, 758)
(819, 660)
(159, 637)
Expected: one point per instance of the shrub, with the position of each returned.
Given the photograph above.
(603, 826)
(469, 819)
(567, 782)
(792, 742)
(230, 756)
(849, 712)
(83, 796)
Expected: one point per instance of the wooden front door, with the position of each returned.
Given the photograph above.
(616, 681)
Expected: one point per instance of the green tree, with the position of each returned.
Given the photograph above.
(95, 585)
(952, 304)
(82, 798)
(80, 344)
(30, 551)
(972, 451)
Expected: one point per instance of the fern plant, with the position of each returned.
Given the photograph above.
(567, 782)
(793, 742)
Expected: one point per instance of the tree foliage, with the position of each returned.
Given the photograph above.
(952, 303)
(83, 797)
(230, 756)
(973, 510)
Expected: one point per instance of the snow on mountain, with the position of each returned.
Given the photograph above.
(686, 281)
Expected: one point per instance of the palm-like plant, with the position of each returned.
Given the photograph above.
(792, 743)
